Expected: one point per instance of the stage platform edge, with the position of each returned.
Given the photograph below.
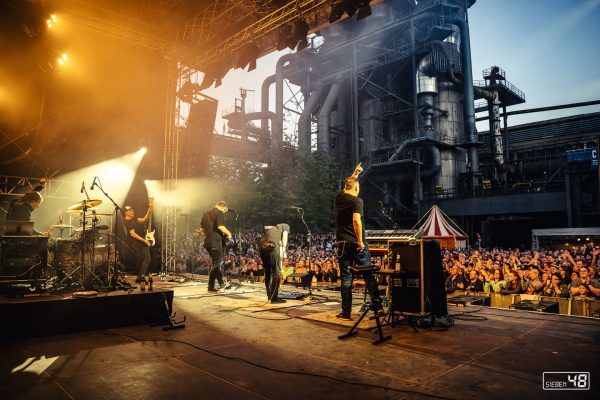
(56, 315)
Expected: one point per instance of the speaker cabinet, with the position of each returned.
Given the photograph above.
(417, 284)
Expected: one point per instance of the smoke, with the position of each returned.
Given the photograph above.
(189, 196)
(115, 177)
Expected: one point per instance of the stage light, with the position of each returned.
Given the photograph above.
(283, 37)
(207, 82)
(579, 239)
(248, 55)
(143, 150)
(51, 21)
(146, 182)
(298, 37)
(588, 239)
(336, 13)
(115, 176)
(364, 10)
(62, 60)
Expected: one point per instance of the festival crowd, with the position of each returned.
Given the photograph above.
(564, 273)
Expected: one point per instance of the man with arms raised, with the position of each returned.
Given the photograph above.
(349, 235)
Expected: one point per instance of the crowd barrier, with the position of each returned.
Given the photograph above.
(566, 306)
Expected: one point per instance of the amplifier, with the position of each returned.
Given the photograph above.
(417, 284)
(463, 301)
(540, 306)
(18, 254)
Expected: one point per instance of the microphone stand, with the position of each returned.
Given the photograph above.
(114, 279)
(309, 242)
(83, 234)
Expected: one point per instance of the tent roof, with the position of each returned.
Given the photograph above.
(435, 223)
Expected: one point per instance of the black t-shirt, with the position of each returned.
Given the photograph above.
(274, 234)
(345, 205)
(211, 220)
(136, 226)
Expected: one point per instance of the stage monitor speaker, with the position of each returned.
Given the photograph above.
(418, 287)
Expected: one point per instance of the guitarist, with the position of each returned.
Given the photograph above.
(273, 250)
(136, 230)
(213, 225)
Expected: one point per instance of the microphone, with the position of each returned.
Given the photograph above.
(82, 187)
(296, 208)
(93, 183)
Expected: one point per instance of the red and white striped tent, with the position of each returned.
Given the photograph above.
(437, 225)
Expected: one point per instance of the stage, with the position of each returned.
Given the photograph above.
(288, 349)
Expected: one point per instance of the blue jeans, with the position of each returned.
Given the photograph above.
(349, 255)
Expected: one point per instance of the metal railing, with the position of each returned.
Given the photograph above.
(517, 188)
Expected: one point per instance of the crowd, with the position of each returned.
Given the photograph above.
(565, 273)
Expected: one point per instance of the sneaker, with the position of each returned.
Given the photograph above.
(213, 290)
(345, 316)
(277, 301)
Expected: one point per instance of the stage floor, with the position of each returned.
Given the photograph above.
(493, 354)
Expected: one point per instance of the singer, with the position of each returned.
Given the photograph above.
(351, 248)
(273, 250)
(217, 235)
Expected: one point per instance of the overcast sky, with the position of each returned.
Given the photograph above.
(550, 49)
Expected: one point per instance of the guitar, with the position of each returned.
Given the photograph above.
(149, 231)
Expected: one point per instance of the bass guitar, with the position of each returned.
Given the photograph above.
(149, 231)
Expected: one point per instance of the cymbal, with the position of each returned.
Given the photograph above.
(61, 226)
(85, 204)
(88, 216)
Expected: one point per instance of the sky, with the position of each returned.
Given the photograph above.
(549, 49)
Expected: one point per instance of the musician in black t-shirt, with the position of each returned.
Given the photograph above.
(213, 224)
(137, 232)
(351, 248)
(273, 250)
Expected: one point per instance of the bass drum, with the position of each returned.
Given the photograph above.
(64, 255)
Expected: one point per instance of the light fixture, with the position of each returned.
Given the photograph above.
(51, 21)
(283, 37)
(298, 37)
(350, 7)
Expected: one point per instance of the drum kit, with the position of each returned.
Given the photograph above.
(86, 257)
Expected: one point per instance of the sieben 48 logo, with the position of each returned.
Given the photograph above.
(566, 381)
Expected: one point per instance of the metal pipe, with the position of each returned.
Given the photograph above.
(264, 99)
(436, 163)
(323, 138)
(469, 96)
(549, 108)
(496, 138)
(304, 122)
(277, 131)
(262, 115)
